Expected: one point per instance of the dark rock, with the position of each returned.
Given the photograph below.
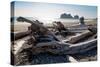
(64, 15)
(76, 17)
(82, 20)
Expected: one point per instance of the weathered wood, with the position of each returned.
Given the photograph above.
(71, 59)
(19, 45)
(53, 47)
(92, 29)
(15, 36)
(82, 47)
(57, 47)
(37, 27)
(62, 30)
(59, 26)
(61, 49)
(64, 48)
(79, 37)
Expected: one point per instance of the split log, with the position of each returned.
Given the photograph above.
(79, 37)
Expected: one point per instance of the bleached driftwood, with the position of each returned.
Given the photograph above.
(75, 39)
(56, 47)
(53, 47)
(64, 48)
(71, 59)
(19, 35)
(37, 27)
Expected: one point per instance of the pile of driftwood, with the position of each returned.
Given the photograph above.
(43, 40)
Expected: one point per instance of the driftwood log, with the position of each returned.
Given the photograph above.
(61, 29)
(92, 29)
(64, 48)
(57, 47)
(19, 35)
(75, 39)
(53, 47)
(37, 27)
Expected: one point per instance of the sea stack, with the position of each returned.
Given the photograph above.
(82, 20)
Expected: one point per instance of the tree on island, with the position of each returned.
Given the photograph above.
(76, 17)
(82, 21)
(64, 15)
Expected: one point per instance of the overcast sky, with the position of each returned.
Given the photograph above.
(51, 10)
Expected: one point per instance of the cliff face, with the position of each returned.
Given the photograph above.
(64, 15)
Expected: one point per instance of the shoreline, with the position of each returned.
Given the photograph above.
(23, 26)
